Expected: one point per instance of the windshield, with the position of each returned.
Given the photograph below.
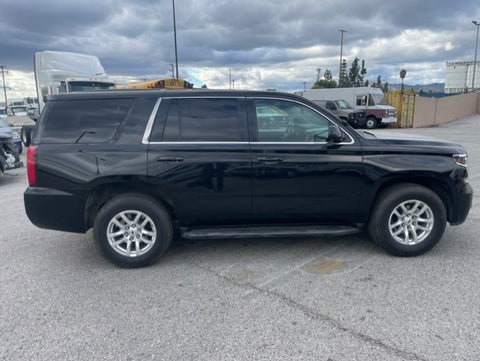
(2, 111)
(342, 104)
(16, 110)
(3, 123)
(378, 99)
(84, 86)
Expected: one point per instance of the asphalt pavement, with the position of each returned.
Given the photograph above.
(325, 299)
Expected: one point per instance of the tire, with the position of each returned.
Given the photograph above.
(371, 123)
(407, 220)
(132, 230)
(26, 134)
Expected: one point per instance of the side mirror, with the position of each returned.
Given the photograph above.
(335, 134)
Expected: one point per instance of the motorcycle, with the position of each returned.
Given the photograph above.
(9, 157)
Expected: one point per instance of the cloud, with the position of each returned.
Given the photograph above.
(269, 43)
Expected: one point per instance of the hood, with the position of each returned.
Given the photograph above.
(5, 135)
(403, 142)
(379, 106)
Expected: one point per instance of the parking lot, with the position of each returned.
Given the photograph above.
(281, 299)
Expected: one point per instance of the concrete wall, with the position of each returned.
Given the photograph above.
(436, 111)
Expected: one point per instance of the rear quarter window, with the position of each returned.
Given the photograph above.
(84, 121)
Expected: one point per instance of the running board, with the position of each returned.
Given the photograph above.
(268, 232)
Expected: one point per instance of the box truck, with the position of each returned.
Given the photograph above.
(378, 113)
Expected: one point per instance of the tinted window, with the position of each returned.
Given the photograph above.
(285, 121)
(202, 120)
(84, 121)
(133, 127)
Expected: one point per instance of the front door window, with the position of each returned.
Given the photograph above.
(286, 121)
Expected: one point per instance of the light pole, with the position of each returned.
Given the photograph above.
(2, 69)
(341, 55)
(477, 24)
(175, 38)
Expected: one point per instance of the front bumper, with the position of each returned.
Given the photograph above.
(463, 204)
(389, 120)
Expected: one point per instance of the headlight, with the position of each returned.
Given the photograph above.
(460, 159)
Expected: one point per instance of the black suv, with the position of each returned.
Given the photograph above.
(141, 166)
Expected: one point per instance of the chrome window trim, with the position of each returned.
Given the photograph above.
(151, 119)
(205, 97)
(171, 143)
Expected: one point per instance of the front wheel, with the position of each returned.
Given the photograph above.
(132, 230)
(407, 220)
(371, 123)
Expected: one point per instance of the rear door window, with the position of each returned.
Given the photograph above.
(84, 121)
(201, 120)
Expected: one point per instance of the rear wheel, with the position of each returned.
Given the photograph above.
(407, 220)
(132, 230)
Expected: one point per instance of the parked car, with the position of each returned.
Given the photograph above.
(141, 166)
(3, 113)
(6, 129)
(18, 110)
(355, 117)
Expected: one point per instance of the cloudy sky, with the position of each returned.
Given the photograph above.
(264, 43)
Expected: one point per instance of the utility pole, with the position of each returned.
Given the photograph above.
(175, 38)
(477, 24)
(3, 70)
(341, 55)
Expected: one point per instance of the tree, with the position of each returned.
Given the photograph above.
(386, 87)
(355, 75)
(204, 86)
(327, 82)
(363, 72)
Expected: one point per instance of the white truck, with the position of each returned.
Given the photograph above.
(371, 100)
(64, 72)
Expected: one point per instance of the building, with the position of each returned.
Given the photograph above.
(458, 78)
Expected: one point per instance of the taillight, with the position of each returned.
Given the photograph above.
(31, 165)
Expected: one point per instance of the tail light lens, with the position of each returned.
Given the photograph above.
(31, 165)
